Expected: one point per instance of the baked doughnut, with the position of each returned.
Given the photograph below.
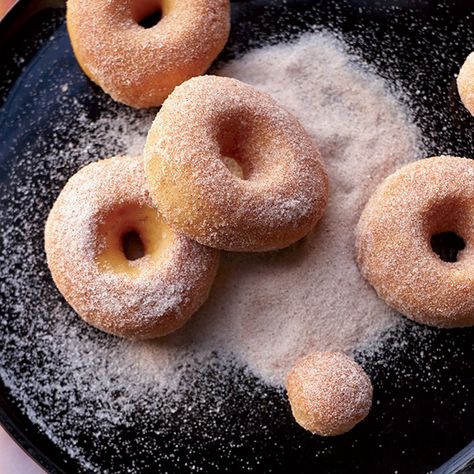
(207, 121)
(466, 83)
(329, 393)
(410, 213)
(142, 289)
(141, 66)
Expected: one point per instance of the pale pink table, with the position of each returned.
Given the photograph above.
(13, 460)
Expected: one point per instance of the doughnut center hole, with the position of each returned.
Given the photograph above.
(447, 245)
(230, 151)
(150, 20)
(247, 146)
(132, 238)
(147, 13)
(132, 245)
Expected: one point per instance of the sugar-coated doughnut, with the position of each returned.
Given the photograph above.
(466, 83)
(145, 294)
(329, 393)
(141, 66)
(281, 192)
(396, 238)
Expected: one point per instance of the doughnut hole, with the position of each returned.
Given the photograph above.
(131, 236)
(329, 393)
(230, 153)
(148, 13)
(445, 228)
(132, 246)
(246, 147)
(447, 245)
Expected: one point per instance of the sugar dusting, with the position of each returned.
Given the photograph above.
(265, 309)
(312, 297)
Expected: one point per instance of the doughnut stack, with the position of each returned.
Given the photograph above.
(133, 242)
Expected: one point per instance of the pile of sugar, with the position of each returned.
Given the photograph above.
(311, 296)
(271, 308)
(264, 310)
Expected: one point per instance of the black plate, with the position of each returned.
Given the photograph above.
(424, 414)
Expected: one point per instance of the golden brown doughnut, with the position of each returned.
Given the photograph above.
(140, 296)
(466, 83)
(138, 66)
(329, 393)
(202, 124)
(395, 238)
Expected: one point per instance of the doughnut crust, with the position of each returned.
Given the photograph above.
(466, 83)
(394, 235)
(329, 393)
(138, 66)
(282, 189)
(141, 298)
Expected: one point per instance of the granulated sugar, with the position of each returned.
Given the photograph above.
(264, 311)
(311, 296)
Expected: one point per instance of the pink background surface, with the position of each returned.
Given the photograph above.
(5, 5)
(13, 460)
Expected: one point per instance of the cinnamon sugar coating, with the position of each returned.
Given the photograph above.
(141, 66)
(465, 83)
(329, 393)
(284, 189)
(394, 234)
(138, 299)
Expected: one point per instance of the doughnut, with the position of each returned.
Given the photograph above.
(466, 83)
(281, 190)
(140, 66)
(329, 393)
(119, 266)
(422, 205)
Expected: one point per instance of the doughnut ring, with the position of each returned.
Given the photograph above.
(399, 231)
(281, 190)
(140, 66)
(466, 83)
(140, 289)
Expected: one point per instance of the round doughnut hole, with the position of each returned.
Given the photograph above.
(132, 245)
(132, 237)
(229, 151)
(244, 147)
(150, 20)
(147, 13)
(447, 245)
